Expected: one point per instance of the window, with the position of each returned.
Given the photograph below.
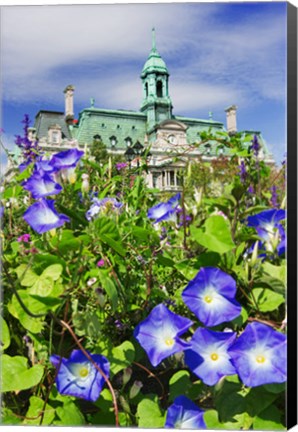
(172, 139)
(146, 89)
(128, 141)
(97, 137)
(113, 141)
(172, 178)
(155, 177)
(159, 89)
(55, 137)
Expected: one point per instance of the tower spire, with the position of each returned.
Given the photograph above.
(153, 40)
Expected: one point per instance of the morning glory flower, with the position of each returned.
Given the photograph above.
(184, 414)
(164, 211)
(211, 296)
(208, 357)
(42, 216)
(77, 376)
(41, 185)
(159, 333)
(104, 206)
(44, 165)
(259, 355)
(66, 158)
(269, 229)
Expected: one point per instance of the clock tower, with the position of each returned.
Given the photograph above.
(156, 104)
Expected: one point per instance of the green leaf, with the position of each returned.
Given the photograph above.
(35, 409)
(115, 245)
(105, 416)
(54, 271)
(5, 334)
(16, 376)
(34, 325)
(179, 384)
(121, 357)
(149, 414)
(277, 272)
(8, 417)
(267, 299)
(215, 235)
(109, 287)
(26, 275)
(269, 419)
(70, 415)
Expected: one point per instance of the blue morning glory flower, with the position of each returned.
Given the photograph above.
(159, 333)
(184, 414)
(42, 216)
(41, 185)
(44, 165)
(259, 355)
(211, 296)
(104, 206)
(164, 211)
(66, 158)
(77, 376)
(208, 357)
(269, 229)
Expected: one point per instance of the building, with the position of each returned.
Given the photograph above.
(154, 126)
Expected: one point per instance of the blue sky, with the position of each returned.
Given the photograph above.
(218, 54)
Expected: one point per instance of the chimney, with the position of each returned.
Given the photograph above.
(231, 119)
(69, 114)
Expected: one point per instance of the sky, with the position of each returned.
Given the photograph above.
(218, 54)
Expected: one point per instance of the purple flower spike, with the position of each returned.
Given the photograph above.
(159, 334)
(42, 216)
(78, 376)
(66, 158)
(41, 185)
(211, 296)
(208, 357)
(184, 414)
(164, 211)
(259, 355)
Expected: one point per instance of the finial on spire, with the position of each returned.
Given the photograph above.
(153, 39)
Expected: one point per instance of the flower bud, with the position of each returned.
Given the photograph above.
(127, 372)
(100, 297)
(284, 203)
(135, 389)
(85, 183)
(254, 255)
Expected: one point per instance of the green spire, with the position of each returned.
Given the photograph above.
(153, 40)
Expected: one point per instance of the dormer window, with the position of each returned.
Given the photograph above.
(97, 137)
(113, 141)
(172, 139)
(54, 134)
(128, 141)
(208, 149)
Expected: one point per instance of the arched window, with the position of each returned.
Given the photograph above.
(159, 89)
(113, 141)
(128, 141)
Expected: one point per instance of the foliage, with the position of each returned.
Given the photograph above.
(98, 274)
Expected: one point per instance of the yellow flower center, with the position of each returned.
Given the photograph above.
(260, 359)
(208, 299)
(169, 341)
(214, 356)
(84, 372)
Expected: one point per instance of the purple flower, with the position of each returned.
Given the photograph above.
(101, 263)
(44, 165)
(255, 145)
(42, 216)
(243, 172)
(184, 414)
(24, 238)
(251, 190)
(274, 196)
(259, 355)
(269, 229)
(120, 166)
(208, 357)
(104, 206)
(159, 334)
(211, 296)
(78, 376)
(164, 211)
(41, 185)
(66, 159)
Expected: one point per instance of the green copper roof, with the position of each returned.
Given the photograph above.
(154, 62)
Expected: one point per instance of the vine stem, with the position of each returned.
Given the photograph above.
(151, 374)
(67, 326)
